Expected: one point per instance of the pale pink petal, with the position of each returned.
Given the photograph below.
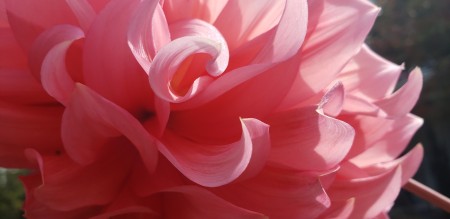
(63, 179)
(369, 75)
(171, 56)
(148, 32)
(334, 27)
(27, 126)
(90, 120)
(376, 192)
(203, 29)
(279, 193)
(192, 202)
(339, 210)
(29, 18)
(391, 144)
(388, 137)
(403, 100)
(208, 11)
(333, 100)
(83, 11)
(249, 19)
(54, 76)
(47, 40)
(307, 139)
(355, 104)
(109, 66)
(216, 165)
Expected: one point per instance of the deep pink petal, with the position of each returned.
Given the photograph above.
(279, 194)
(38, 210)
(29, 18)
(192, 202)
(334, 27)
(216, 165)
(19, 86)
(115, 75)
(148, 32)
(67, 185)
(90, 120)
(11, 55)
(27, 126)
(403, 100)
(307, 139)
(369, 75)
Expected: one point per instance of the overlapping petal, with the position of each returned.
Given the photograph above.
(216, 165)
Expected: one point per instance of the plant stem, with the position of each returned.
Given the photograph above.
(428, 194)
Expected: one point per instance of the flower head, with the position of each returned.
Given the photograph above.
(202, 109)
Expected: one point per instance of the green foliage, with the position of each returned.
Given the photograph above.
(11, 194)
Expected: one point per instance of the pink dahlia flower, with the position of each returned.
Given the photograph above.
(202, 109)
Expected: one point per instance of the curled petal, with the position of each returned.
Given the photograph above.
(216, 165)
(403, 100)
(47, 40)
(90, 120)
(171, 56)
(54, 75)
(148, 32)
(203, 29)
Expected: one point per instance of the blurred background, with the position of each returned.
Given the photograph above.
(416, 32)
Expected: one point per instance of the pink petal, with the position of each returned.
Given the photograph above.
(369, 75)
(67, 186)
(54, 75)
(38, 210)
(307, 139)
(39, 124)
(376, 193)
(403, 100)
(339, 210)
(279, 193)
(394, 139)
(90, 120)
(357, 105)
(170, 57)
(115, 75)
(148, 32)
(208, 11)
(334, 27)
(216, 165)
(19, 86)
(192, 202)
(83, 11)
(47, 40)
(30, 18)
(11, 55)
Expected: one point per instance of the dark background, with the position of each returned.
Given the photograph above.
(415, 32)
